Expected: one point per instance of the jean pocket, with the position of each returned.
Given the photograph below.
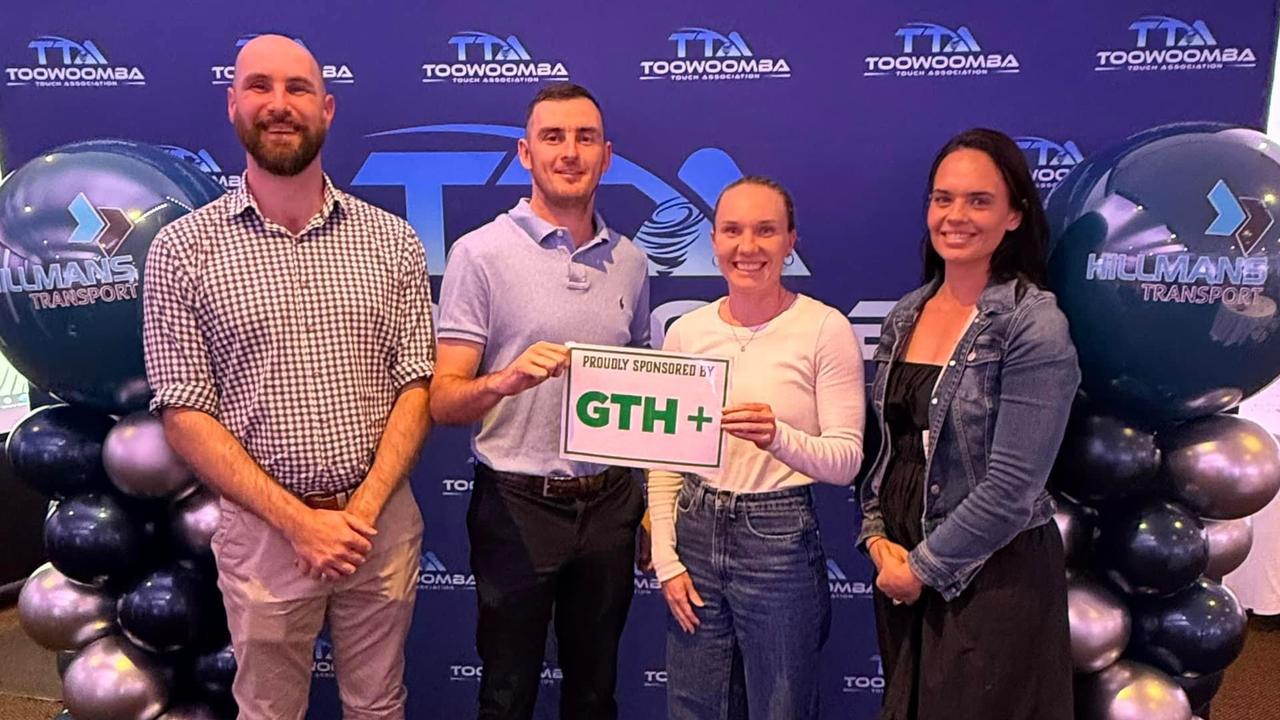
(684, 501)
(776, 523)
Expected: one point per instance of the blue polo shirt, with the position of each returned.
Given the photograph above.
(518, 280)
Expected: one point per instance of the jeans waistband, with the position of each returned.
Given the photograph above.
(700, 491)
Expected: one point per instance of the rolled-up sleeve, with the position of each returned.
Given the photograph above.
(414, 355)
(177, 356)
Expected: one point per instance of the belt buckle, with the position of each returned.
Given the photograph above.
(548, 479)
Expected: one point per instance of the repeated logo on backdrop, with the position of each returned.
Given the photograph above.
(483, 58)
(1049, 161)
(869, 681)
(702, 54)
(926, 49)
(205, 163)
(433, 574)
(57, 61)
(1163, 43)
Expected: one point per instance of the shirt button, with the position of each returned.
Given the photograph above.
(935, 489)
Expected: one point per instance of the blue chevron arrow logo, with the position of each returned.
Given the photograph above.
(89, 222)
(1230, 213)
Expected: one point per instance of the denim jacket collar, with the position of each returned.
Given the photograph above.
(996, 298)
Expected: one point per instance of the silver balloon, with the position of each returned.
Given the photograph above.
(1229, 544)
(139, 460)
(1075, 525)
(113, 680)
(1222, 466)
(189, 712)
(1130, 691)
(195, 518)
(60, 614)
(1099, 625)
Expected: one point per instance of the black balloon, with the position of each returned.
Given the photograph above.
(95, 539)
(166, 611)
(1200, 689)
(1105, 460)
(215, 672)
(1197, 631)
(58, 450)
(1152, 548)
(1076, 525)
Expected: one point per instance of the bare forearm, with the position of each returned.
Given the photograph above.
(220, 461)
(458, 400)
(397, 452)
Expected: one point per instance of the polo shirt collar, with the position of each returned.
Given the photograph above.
(539, 230)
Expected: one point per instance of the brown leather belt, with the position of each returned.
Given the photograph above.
(557, 486)
(327, 501)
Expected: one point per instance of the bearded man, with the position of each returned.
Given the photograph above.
(289, 346)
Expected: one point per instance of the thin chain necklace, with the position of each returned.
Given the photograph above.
(742, 345)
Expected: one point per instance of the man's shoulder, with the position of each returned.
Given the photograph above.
(197, 224)
(629, 252)
(486, 241)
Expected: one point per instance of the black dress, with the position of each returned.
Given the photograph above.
(1002, 649)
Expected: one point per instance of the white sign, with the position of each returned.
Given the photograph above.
(644, 408)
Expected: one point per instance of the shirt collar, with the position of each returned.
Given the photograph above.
(539, 230)
(242, 199)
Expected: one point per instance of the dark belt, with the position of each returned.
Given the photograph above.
(327, 501)
(558, 486)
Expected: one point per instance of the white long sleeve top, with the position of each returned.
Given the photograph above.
(807, 365)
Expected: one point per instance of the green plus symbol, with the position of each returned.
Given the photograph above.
(700, 418)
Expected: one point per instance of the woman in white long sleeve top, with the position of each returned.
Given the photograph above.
(737, 550)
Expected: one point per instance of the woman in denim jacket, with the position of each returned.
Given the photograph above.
(975, 374)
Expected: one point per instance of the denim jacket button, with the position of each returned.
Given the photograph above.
(952, 363)
(972, 355)
(934, 401)
(935, 489)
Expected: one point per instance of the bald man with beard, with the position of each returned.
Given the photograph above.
(289, 345)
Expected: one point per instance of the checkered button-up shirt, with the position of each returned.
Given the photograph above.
(297, 344)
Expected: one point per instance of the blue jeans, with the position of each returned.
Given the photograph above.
(757, 562)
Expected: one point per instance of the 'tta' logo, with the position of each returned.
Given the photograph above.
(491, 47)
(933, 38)
(713, 44)
(1152, 29)
(57, 50)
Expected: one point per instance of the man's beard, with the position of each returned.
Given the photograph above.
(280, 160)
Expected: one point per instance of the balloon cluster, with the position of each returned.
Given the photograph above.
(1161, 264)
(129, 595)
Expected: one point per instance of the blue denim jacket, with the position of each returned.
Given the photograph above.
(996, 420)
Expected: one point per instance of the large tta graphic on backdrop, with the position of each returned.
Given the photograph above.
(676, 236)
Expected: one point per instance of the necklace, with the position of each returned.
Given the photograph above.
(742, 344)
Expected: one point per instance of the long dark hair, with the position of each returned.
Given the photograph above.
(1023, 253)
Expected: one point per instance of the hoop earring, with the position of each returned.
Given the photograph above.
(790, 259)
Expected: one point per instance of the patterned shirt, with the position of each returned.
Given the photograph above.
(298, 345)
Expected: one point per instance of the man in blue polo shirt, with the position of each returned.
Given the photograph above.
(549, 537)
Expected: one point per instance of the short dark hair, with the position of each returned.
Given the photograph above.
(560, 91)
(766, 182)
(1023, 253)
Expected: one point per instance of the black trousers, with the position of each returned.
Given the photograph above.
(536, 558)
